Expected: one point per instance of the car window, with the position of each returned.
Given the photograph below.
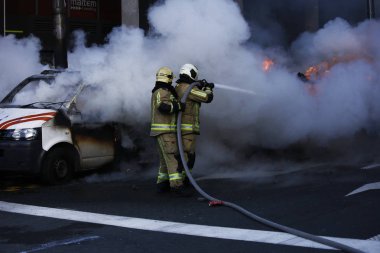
(34, 91)
(45, 93)
(83, 101)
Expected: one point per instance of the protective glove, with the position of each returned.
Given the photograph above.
(206, 84)
(210, 85)
(201, 84)
(176, 106)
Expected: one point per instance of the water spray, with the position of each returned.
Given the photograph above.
(217, 202)
(226, 87)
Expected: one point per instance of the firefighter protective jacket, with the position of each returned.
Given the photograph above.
(164, 108)
(190, 117)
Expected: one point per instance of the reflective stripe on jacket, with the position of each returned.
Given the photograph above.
(163, 121)
(190, 117)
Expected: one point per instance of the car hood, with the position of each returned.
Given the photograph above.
(16, 118)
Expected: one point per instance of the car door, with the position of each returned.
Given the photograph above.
(95, 140)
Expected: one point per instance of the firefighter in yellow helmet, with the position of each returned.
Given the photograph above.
(201, 93)
(164, 108)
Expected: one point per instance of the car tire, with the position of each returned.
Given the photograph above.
(58, 166)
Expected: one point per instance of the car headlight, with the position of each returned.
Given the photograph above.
(25, 134)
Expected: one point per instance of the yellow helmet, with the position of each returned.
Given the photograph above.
(165, 75)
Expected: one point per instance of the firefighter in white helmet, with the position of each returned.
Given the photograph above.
(201, 93)
(164, 108)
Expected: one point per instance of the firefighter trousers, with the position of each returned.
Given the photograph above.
(188, 142)
(169, 160)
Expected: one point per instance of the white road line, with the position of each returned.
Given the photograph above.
(371, 166)
(375, 238)
(366, 187)
(183, 228)
(61, 242)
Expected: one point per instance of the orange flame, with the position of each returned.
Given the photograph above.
(318, 71)
(267, 64)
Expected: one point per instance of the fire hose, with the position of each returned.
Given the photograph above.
(214, 201)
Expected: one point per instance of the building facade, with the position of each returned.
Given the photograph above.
(35, 17)
(282, 20)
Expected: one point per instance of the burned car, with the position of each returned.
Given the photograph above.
(42, 130)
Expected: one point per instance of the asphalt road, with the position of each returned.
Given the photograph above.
(313, 199)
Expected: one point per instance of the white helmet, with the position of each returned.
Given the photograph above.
(190, 70)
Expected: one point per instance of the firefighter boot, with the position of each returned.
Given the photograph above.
(181, 191)
(163, 187)
(186, 182)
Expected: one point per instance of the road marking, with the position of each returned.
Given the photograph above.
(372, 166)
(17, 188)
(12, 189)
(366, 187)
(62, 242)
(375, 238)
(184, 228)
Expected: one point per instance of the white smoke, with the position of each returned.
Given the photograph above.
(18, 59)
(213, 35)
(62, 89)
(348, 94)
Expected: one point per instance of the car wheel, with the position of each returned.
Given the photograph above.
(58, 166)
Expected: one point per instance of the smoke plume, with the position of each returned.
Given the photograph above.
(18, 59)
(213, 35)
